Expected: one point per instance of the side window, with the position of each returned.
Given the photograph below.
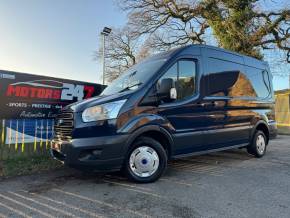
(231, 79)
(226, 78)
(170, 74)
(183, 74)
(260, 82)
(186, 79)
(266, 78)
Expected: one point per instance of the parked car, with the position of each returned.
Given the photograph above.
(191, 100)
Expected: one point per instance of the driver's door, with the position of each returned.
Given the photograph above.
(184, 114)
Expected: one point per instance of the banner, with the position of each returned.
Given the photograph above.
(28, 104)
(27, 96)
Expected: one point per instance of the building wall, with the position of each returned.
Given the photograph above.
(282, 109)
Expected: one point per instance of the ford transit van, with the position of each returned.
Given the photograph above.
(191, 100)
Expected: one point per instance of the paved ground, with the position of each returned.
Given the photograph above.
(224, 184)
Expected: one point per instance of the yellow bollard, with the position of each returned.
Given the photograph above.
(10, 134)
(23, 138)
(46, 142)
(16, 136)
(35, 136)
(3, 132)
(41, 132)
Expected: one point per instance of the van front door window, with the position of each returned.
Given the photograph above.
(183, 74)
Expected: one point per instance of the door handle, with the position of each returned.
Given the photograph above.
(207, 104)
(200, 104)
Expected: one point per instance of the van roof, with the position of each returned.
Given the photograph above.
(248, 60)
(221, 49)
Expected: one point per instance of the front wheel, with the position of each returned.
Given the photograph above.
(258, 145)
(146, 161)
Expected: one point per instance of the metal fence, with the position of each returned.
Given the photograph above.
(25, 137)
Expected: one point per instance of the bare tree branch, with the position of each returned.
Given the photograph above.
(123, 49)
(238, 25)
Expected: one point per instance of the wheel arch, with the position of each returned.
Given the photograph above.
(262, 126)
(156, 132)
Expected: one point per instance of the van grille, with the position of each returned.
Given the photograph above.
(63, 126)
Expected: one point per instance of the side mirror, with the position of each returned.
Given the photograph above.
(167, 91)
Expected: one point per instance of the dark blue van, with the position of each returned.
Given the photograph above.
(191, 100)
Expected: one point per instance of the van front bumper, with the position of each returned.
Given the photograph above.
(100, 153)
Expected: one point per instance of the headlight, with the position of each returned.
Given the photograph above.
(103, 112)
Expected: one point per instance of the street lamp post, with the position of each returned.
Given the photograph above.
(106, 31)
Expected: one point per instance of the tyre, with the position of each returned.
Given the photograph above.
(258, 145)
(146, 161)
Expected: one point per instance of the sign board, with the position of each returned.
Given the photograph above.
(28, 104)
(26, 96)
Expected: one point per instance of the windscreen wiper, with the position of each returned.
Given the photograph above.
(129, 87)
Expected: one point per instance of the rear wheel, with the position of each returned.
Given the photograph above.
(258, 145)
(146, 161)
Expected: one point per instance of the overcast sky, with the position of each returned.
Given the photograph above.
(58, 37)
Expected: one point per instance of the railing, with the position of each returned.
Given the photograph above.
(25, 137)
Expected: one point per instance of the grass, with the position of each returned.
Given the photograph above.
(27, 165)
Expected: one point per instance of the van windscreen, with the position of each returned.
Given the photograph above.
(134, 76)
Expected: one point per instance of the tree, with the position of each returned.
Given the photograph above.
(238, 25)
(123, 49)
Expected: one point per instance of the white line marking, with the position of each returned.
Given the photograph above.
(14, 210)
(124, 182)
(176, 181)
(42, 204)
(67, 205)
(24, 205)
(101, 203)
(127, 185)
(198, 171)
